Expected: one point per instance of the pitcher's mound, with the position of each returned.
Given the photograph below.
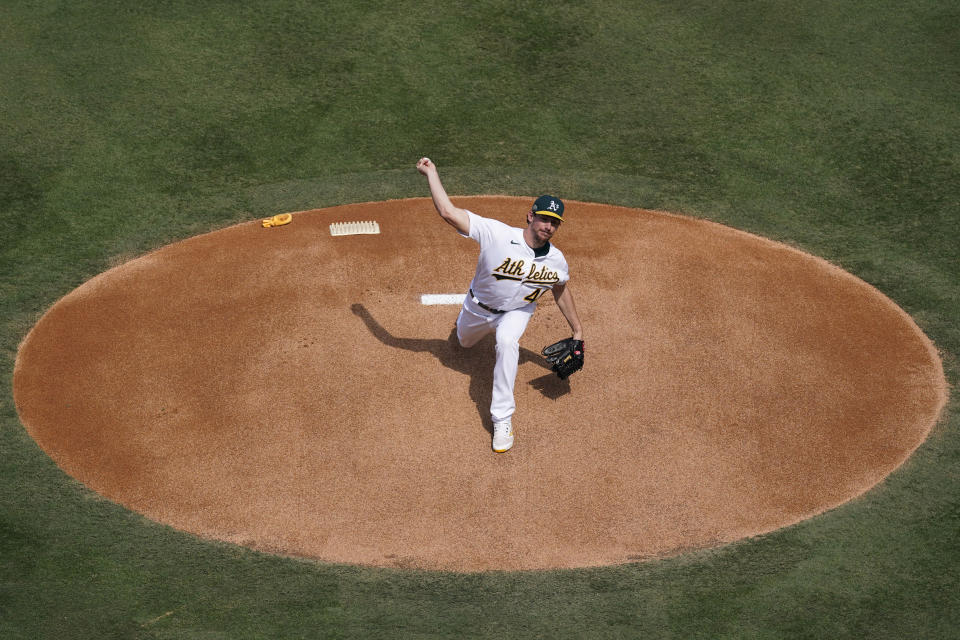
(285, 389)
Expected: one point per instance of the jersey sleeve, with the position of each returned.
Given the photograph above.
(483, 229)
(472, 217)
(563, 267)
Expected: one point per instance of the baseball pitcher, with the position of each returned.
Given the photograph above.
(515, 267)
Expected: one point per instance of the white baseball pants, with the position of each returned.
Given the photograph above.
(474, 323)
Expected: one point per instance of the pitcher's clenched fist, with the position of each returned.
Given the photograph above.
(425, 165)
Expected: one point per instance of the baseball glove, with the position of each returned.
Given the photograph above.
(565, 357)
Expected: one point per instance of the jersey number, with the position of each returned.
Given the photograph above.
(534, 295)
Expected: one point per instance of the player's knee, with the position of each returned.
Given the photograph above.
(467, 341)
(508, 345)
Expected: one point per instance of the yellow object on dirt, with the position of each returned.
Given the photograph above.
(277, 220)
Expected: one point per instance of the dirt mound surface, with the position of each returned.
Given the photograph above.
(286, 390)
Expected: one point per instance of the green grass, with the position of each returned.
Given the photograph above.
(828, 125)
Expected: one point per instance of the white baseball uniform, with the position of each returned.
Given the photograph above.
(510, 278)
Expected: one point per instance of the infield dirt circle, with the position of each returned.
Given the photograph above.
(286, 390)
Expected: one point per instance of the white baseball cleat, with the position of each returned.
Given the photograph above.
(502, 436)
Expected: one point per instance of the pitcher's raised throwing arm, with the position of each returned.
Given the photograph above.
(455, 216)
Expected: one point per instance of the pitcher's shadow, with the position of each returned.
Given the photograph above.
(476, 362)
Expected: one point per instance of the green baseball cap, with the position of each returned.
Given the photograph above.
(549, 206)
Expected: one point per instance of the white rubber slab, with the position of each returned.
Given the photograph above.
(442, 298)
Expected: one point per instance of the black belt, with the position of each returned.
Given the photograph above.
(483, 306)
